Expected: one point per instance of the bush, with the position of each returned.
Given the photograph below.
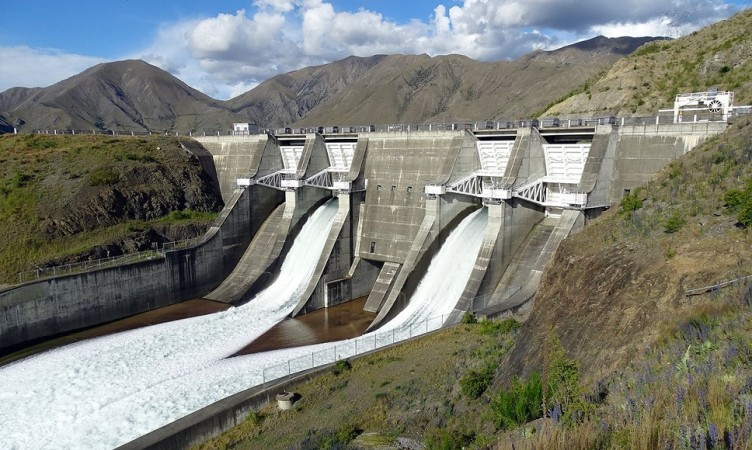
(674, 223)
(520, 404)
(341, 366)
(740, 202)
(505, 326)
(631, 202)
(469, 318)
(443, 439)
(475, 382)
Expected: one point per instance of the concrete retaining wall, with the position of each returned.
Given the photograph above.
(48, 307)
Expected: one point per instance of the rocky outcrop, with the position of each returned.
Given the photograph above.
(144, 192)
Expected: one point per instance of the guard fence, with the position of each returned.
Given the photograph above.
(352, 347)
(545, 123)
(96, 264)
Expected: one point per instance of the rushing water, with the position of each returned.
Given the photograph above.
(105, 392)
(73, 395)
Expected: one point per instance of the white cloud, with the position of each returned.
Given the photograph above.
(39, 67)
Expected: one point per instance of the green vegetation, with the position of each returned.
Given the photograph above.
(739, 202)
(631, 202)
(519, 404)
(475, 382)
(44, 177)
(674, 222)
(341, 366)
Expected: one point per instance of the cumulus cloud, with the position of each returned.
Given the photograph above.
(25, 70)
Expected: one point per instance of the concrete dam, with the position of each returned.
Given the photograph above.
(400, 194)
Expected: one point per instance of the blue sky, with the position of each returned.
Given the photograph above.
(226, 47)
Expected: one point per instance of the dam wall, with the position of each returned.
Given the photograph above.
(398, 167)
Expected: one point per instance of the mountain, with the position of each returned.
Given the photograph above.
(125, 95)
(717, 56)
(284, 99)
(135, 96)
(422, 89)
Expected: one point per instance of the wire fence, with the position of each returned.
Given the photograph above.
(353, 347)
(96, 264)
(483, 301)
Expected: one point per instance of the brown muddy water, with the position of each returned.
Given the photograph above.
(343, 321)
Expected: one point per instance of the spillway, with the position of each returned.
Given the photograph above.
(441, 287)
(89, 396)
(101, 393)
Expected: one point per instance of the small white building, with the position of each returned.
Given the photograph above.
(242, 129)
(713, 105)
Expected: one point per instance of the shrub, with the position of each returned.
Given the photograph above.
(469, 318)
(674, 223)
(341, 366)
(518, 405)
(740, 202)
(505, 326)
(631, 202)
(475, 382)
(443, 439)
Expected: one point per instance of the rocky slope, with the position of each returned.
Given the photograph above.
(5, 127)
(609, 291)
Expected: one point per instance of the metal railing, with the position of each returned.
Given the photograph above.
(367, 343)
(184, 243)
(353, 347)
(545, 124)
(483, 301)
(85, 266)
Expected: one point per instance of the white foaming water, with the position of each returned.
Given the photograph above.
(442, 285)
(106, 392)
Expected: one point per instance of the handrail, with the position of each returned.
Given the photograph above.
(477, 125)
(101, 263)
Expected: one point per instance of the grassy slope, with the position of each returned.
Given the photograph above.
(717, 56)
(42, 175)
